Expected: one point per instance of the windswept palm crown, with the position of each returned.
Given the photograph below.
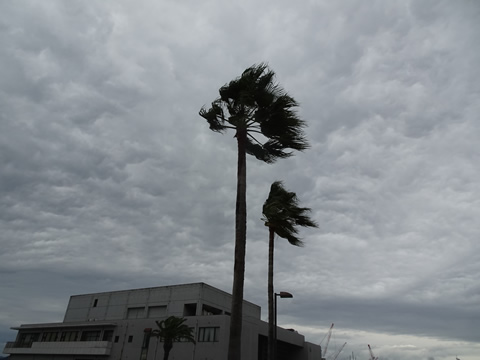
(254, 104)
(283, 215)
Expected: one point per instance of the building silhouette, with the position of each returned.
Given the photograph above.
(117, 325)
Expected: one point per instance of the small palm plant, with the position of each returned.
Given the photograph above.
(172, 330)
(282, 215)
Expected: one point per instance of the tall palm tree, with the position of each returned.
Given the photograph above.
(262, 115)
(282, 215)
(171, 330)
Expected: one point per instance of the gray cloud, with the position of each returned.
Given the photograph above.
(108, 173)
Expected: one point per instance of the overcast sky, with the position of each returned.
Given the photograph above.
(110, 180)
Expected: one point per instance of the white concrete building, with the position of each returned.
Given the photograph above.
(116, 325)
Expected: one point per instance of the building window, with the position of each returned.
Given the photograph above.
(146, 338)
(130, 338)
(107, 335)
(156, 311)
(208, 334)
(49, 336)
(95, 302)
(27, 339)
(210, 310)
(189, 309)
(116, 339)
(90, 336)
(146, 342)
(136, 313)
(69, 336)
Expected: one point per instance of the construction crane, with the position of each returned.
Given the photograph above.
(372, 357)
(328, 340)
(338, 352)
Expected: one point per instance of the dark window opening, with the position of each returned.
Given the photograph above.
(130, 338)
(262, 347)
(116, 339)
(49, 336)
(190, 309)
(90, 336)
(95, 302)
(107, 335)
(26, 339)
(210, 310)
(69, 336)
(208, 334)
(146, 340)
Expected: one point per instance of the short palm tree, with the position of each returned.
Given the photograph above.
(262, 116)
(282, 215)
(171, 330)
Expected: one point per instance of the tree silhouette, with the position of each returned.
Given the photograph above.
(171, 330)
(262, 116)
(282, 216)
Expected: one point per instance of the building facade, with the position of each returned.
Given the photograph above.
(117, 325)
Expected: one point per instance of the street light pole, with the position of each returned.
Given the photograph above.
(283, 295)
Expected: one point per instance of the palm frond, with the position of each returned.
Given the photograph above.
(215, 116)
(259, 151)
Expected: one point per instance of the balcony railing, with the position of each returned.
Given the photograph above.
(60, 348)
(13, 344)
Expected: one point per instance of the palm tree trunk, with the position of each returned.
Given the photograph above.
(271, 316)
(166, 350)
(234, 346)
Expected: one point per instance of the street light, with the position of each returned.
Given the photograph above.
(283, 295)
